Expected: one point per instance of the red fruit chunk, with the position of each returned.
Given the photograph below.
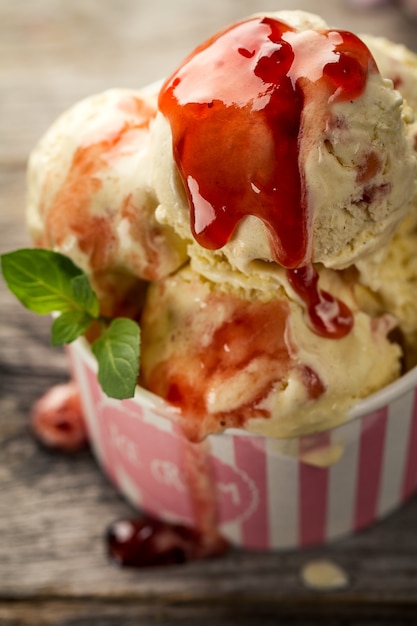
(57, 419)
(146, 542)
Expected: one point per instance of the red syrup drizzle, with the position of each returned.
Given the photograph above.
(58, 423)
(235, 108)
(149, 542)
(329, 316)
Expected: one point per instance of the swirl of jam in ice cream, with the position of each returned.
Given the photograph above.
(235, 108)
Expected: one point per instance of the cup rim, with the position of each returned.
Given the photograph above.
(385, 396)
(377, 400)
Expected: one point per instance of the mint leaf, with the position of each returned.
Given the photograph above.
(84, 295)
(70, 325)
(45, 281)
(117, 354)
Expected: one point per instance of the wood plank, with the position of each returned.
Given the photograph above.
(132, 613)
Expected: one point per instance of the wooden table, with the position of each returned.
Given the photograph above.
(54, 509)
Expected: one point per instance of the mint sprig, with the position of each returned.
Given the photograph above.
(117, 350)
(70, 325)
(46, 281)
(49, 282)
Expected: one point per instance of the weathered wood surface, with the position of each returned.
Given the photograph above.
(54, 509)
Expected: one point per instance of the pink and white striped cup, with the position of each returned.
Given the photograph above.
(265, 493)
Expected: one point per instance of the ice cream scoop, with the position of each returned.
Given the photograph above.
(388, 277)
(292, 148)
(229, 357)
(89, 196)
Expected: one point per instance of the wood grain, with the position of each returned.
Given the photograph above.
(54, 509)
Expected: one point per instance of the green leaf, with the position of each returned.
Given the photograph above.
(84, 294)
(46, 281)
(117, 353)
(68, 326)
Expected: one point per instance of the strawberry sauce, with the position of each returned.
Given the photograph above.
(235, 108)
(72, 212)
(328, 316)
(253, 333)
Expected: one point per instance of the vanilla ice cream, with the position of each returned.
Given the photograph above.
(321, 149)
(388, 278)
(244, 359)
(397, 63)
(89, 196)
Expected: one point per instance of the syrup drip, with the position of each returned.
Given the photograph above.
(236, 133)
(235, 107)
(146, 541)
(329, 316)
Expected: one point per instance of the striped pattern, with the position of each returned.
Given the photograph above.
(261, 497)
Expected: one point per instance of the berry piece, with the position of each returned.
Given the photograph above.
(57, 419)
(146, 542)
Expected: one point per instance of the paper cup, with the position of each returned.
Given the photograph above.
(264, 493)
